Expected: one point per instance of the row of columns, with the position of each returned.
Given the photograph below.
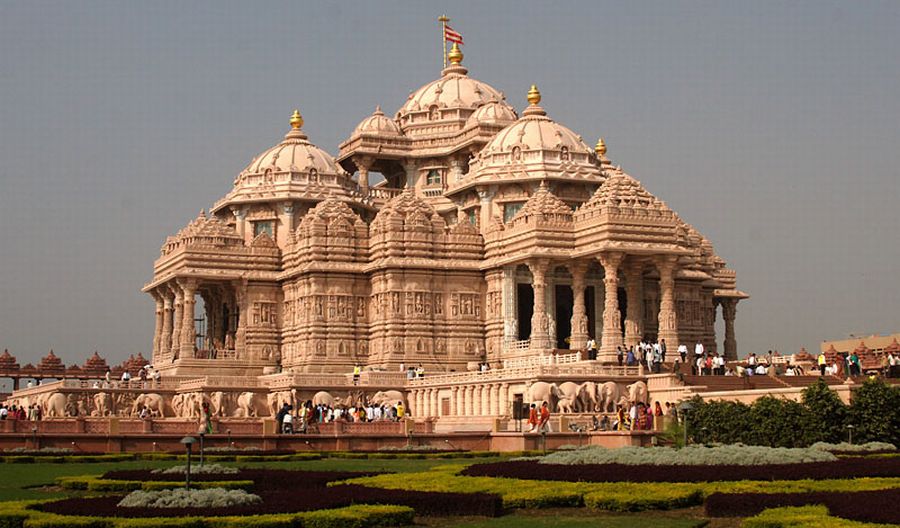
(175, 332)
(611, 335)
(483, 399)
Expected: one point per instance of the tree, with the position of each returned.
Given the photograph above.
(875, 412)
(826, 414)
(777, 422)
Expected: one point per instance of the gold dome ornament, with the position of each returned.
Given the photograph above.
(534, 95)
(296, 120)
(600, 148)
(455, 56)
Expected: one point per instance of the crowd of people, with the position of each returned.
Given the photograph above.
(308, 415)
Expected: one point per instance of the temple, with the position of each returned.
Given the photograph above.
(454, 232)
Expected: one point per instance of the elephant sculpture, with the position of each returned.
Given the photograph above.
(389, 397)
(153, 402)
(325, 398)
(103, 403)
(570, 397)
(276, 400)
(251, 405)
(542, 391)
(638, 393)
(608, 394)
(220, 403)
(589, 397)
(54, 405)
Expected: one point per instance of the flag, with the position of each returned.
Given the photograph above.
(452, 36)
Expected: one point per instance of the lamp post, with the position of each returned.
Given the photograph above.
(202, 435)
(188, 441)
(34, 438)
(685, 408)
(850, 428)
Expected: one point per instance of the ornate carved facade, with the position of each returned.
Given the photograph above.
(453, 233)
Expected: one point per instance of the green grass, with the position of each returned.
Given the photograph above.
(19, 479)
(519, 520)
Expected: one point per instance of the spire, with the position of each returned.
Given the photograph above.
(600, 148)
(534, 98)
(455, 56)
(296, 119)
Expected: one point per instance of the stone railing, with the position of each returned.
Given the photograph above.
(585, 369)
(217, 381)
(288, 380)
(383, 193)
(517, 346)
(553, 359)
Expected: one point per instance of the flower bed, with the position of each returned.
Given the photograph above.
(841, 468)
(278, 490)
(189, 498)
(17, 514)
(867, 506)
(207, 469)
(732, 455)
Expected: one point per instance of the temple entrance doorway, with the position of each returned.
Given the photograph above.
(591, 311)
(623, 309)
(524, 309)
(565, 301)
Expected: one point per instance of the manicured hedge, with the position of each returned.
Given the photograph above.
(619, 496)
(803, 517)
(62, 459)
(843, 468)
(282, 491)
(20, 514)
(879, 506)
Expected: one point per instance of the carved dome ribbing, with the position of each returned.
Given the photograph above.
(294, 154)
(377, 124)
(494, 112)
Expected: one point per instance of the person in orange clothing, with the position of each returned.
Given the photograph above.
(532, 418)
(545, 418)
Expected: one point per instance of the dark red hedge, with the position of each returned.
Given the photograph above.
(866, 506)
(843, 468)
(284, 491)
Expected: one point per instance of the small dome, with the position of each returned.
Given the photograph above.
(377, 124)
(495, 112)
(294, 154)
(454, 90)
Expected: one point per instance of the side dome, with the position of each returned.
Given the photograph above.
(453, 97)
(407, 212)
(534, 147)
(377, 124)
(495, 112)
(294, 154)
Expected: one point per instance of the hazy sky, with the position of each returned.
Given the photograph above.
(773, 127)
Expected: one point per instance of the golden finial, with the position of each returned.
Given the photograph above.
(455, 56)
(534, 96)
(296, 120)
(600, 148)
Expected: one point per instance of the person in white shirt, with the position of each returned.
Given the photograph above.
(698, 349)
(761, 369)
(751, 360)
(699, 365)
(126, 376)
(287, 423)
(682, 351)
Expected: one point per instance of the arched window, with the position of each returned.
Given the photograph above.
(433, 177)
(564, 154)
(517, 154)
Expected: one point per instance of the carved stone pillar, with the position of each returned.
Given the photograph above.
(363, 164)
(165, 340)
(288, 231)
(435, 403)
(495, 400)
(188, 331)
(540, 323)
(177, 318)
(729, 311)
(484, 407)
(578, 338)
(454, 401)
(634, 314)
(485, 216)
(504, 399)
(470, 400)
(668, 324)
(510, 318)
(239, 216)
(419, 403)
(612, 318)
(412, 173)
(243, 314)
(158, 329)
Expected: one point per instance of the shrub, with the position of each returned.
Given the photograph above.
(803, 517)
(844, 447)
(826, 413)
(189, 498)
(638, 499)
(208, 469)
(739, 455)
(875, 412)
(867, 506)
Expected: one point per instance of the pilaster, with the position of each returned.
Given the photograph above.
(668, 323)
(540, 335)
(579, 336)
(729, 312)
(612, 318)
(634, 314)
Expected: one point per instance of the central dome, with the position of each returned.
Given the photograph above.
(452, 97)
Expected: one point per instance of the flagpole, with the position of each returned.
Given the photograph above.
(443, 20)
